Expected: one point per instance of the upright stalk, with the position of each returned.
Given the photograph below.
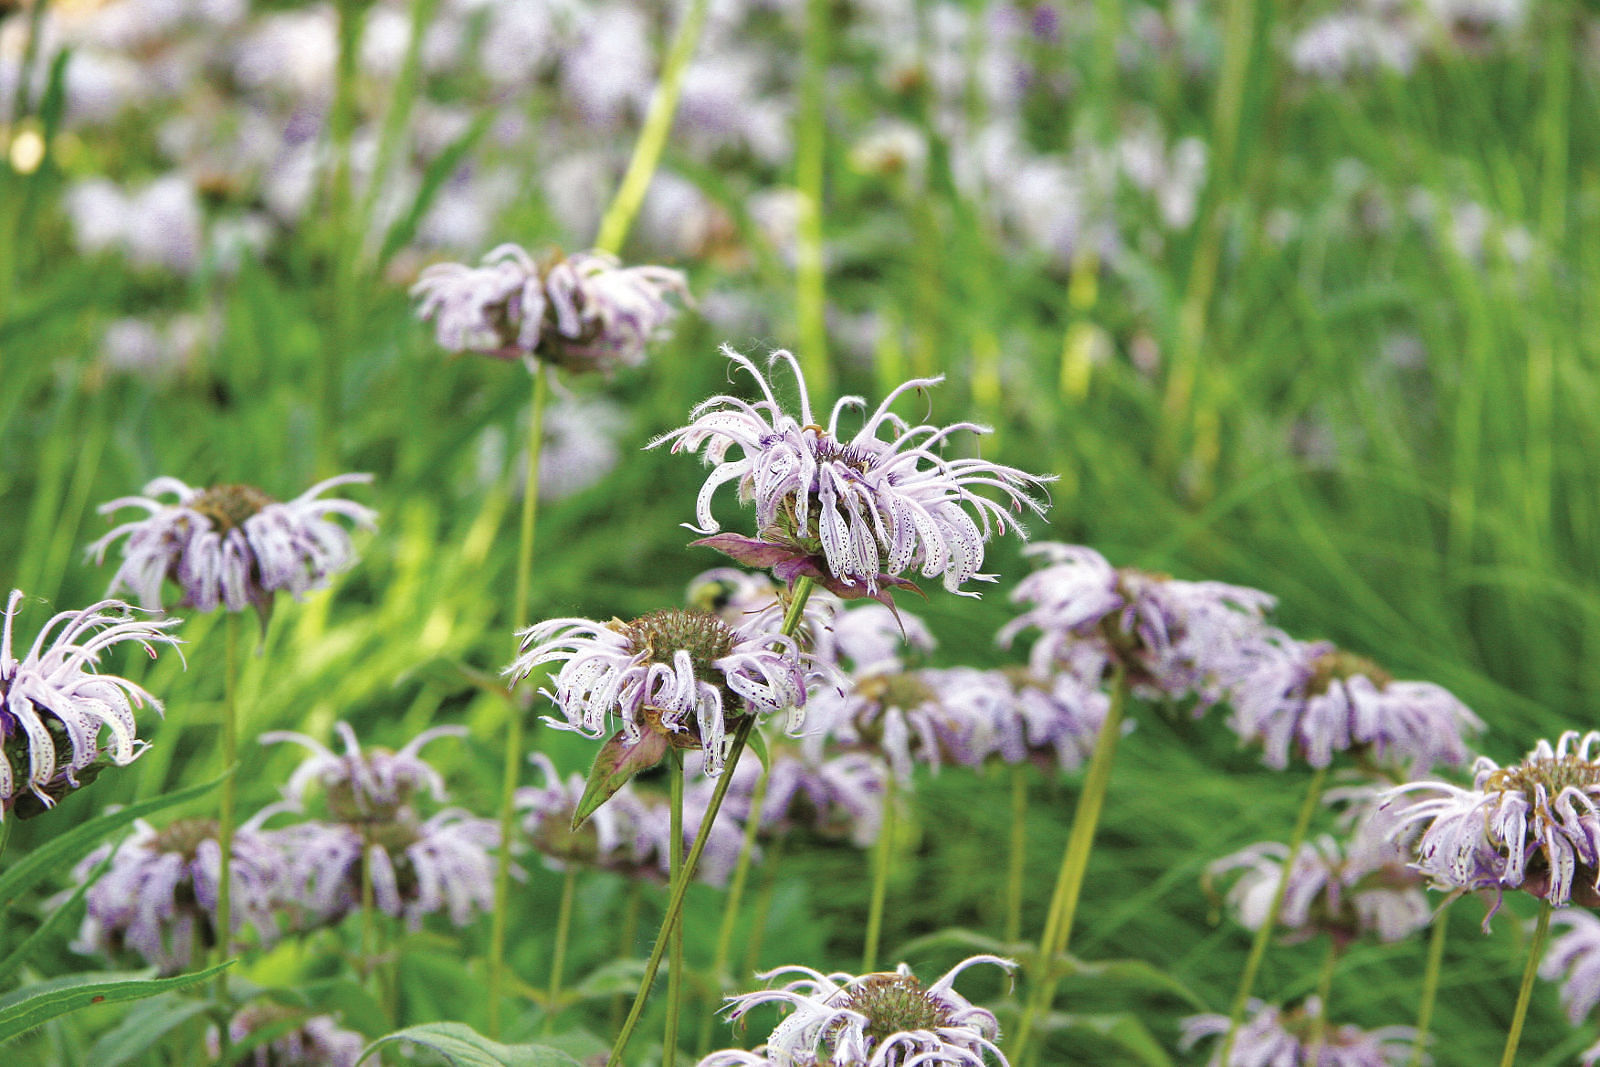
(653, 138)
(810, 319)
(513, 753)
(1074, 864)
(1016, 865)
(558, 955)
(1430, 986)
(741, 736)
(1258, 947)
(669, 1040)
(730, 907)
(881, 855)
(1541, 933)
(1319, 1022)
(230, 756)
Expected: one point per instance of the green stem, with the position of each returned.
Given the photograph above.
(558, 955)
(630, 931)
(1541, 933)
(367, 919)
(741, 736)
(1258, 947)
(513, 740)
(881, 855)
(1430, 986)
(230, 757)
(730, 909)
(653, 138)
(1016, 867)
(1074, 864)
(669, 1041)
(1319, 1022)
(810, 305)
(763, 908)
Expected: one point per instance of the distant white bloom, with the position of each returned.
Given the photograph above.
(1573, 959)
(232, 545)
(887, 1019)
(1275, 1037)
(53, 703)
(854, 513)
(315, 1041)
(364, 785)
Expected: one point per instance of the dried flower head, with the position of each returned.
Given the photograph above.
(232, 545)
(854, 513)
(886, 1019)
(1272, 1036)
(53, 704)
(582, 312)
(1175, 639)
(1533, 825)
(315, 1040)
(159, 896)
(673, 677)
(1313, 698)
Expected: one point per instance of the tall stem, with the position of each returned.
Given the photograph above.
(1319, 1022)
(1541, 933)
(653, 138)
(741, 736)
(230, 756)
(730, 907)
(810, 318)
(1016, 865)
(1258, 947)
(881, 855)
(669, 1041)
(1430, 986)
(1074, 864)
(558, 955)
(513, 752)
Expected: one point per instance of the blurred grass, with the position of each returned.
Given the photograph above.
(1435, 511)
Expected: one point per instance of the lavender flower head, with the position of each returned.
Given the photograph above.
(53, 704)
(232, 545)
(1052, 721)
(836, 796)
(364, 785)
(1315, 699)
(610, 839)
(929, 716)
(318, 1040)
(1573, 959)
(673, 677)
(855, 514)
(1331, 888)
(1275, 1037)
(886, 1019)
(159, 896)
(582, 312)
(1175, 638)
(1533, 826)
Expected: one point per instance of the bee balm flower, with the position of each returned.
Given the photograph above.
(1273, 1035)
(854, 513)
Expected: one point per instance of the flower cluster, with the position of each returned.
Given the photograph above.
(232, 545)
(1573, 959)
(1284, 1038)
(316, 1040)
(853, 513)
(582, 312)
(886, 1018)
(54, 704)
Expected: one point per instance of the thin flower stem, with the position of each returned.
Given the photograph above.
(630, 932)
(1541, 933)
(1258, 947)
(763, 908)
(513, 740)
(881, 854)
(1319, 1022)
(558, 955)
(1016, 867)
(230, 756)
(653, 138)
(5, 834)
(730, 907)
(669, 1040)
(811, 325)
(741, 736)
(1430, 986)
(1074, 864)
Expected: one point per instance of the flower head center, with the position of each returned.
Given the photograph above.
(895, 1003)
(904, 690)
(661, 634)
(185, 837)
(1340, 666)
(1553, 774)
(229, 506)
(828, 450)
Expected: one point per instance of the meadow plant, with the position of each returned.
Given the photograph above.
(1274, 1036)
(314, 1040)
(1574, 961)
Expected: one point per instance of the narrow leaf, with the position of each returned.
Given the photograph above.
(54, 922)
(39, 1003)
(463, 1046)
(142, 1027)
(618, 760)
(1123, 1029)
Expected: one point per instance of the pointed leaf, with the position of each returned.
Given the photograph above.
(1123, 1029)
(1128, 972)
(618, 760)
(463, 1046)
(969, 941)
(758, 745)
(608, 980)
(17, 956)
(43, 1001)
(142, 1027)
(61, 852)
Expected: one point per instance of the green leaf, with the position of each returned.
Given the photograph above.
(970, 941)
(61, 852)
(55, 921)
(607, 980)
(142, 1027)
(43, 1001)
(463, 1046)
(1123, 1029)
(758, 745)
(433, 179)
(617, 761)
(1139, 973)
